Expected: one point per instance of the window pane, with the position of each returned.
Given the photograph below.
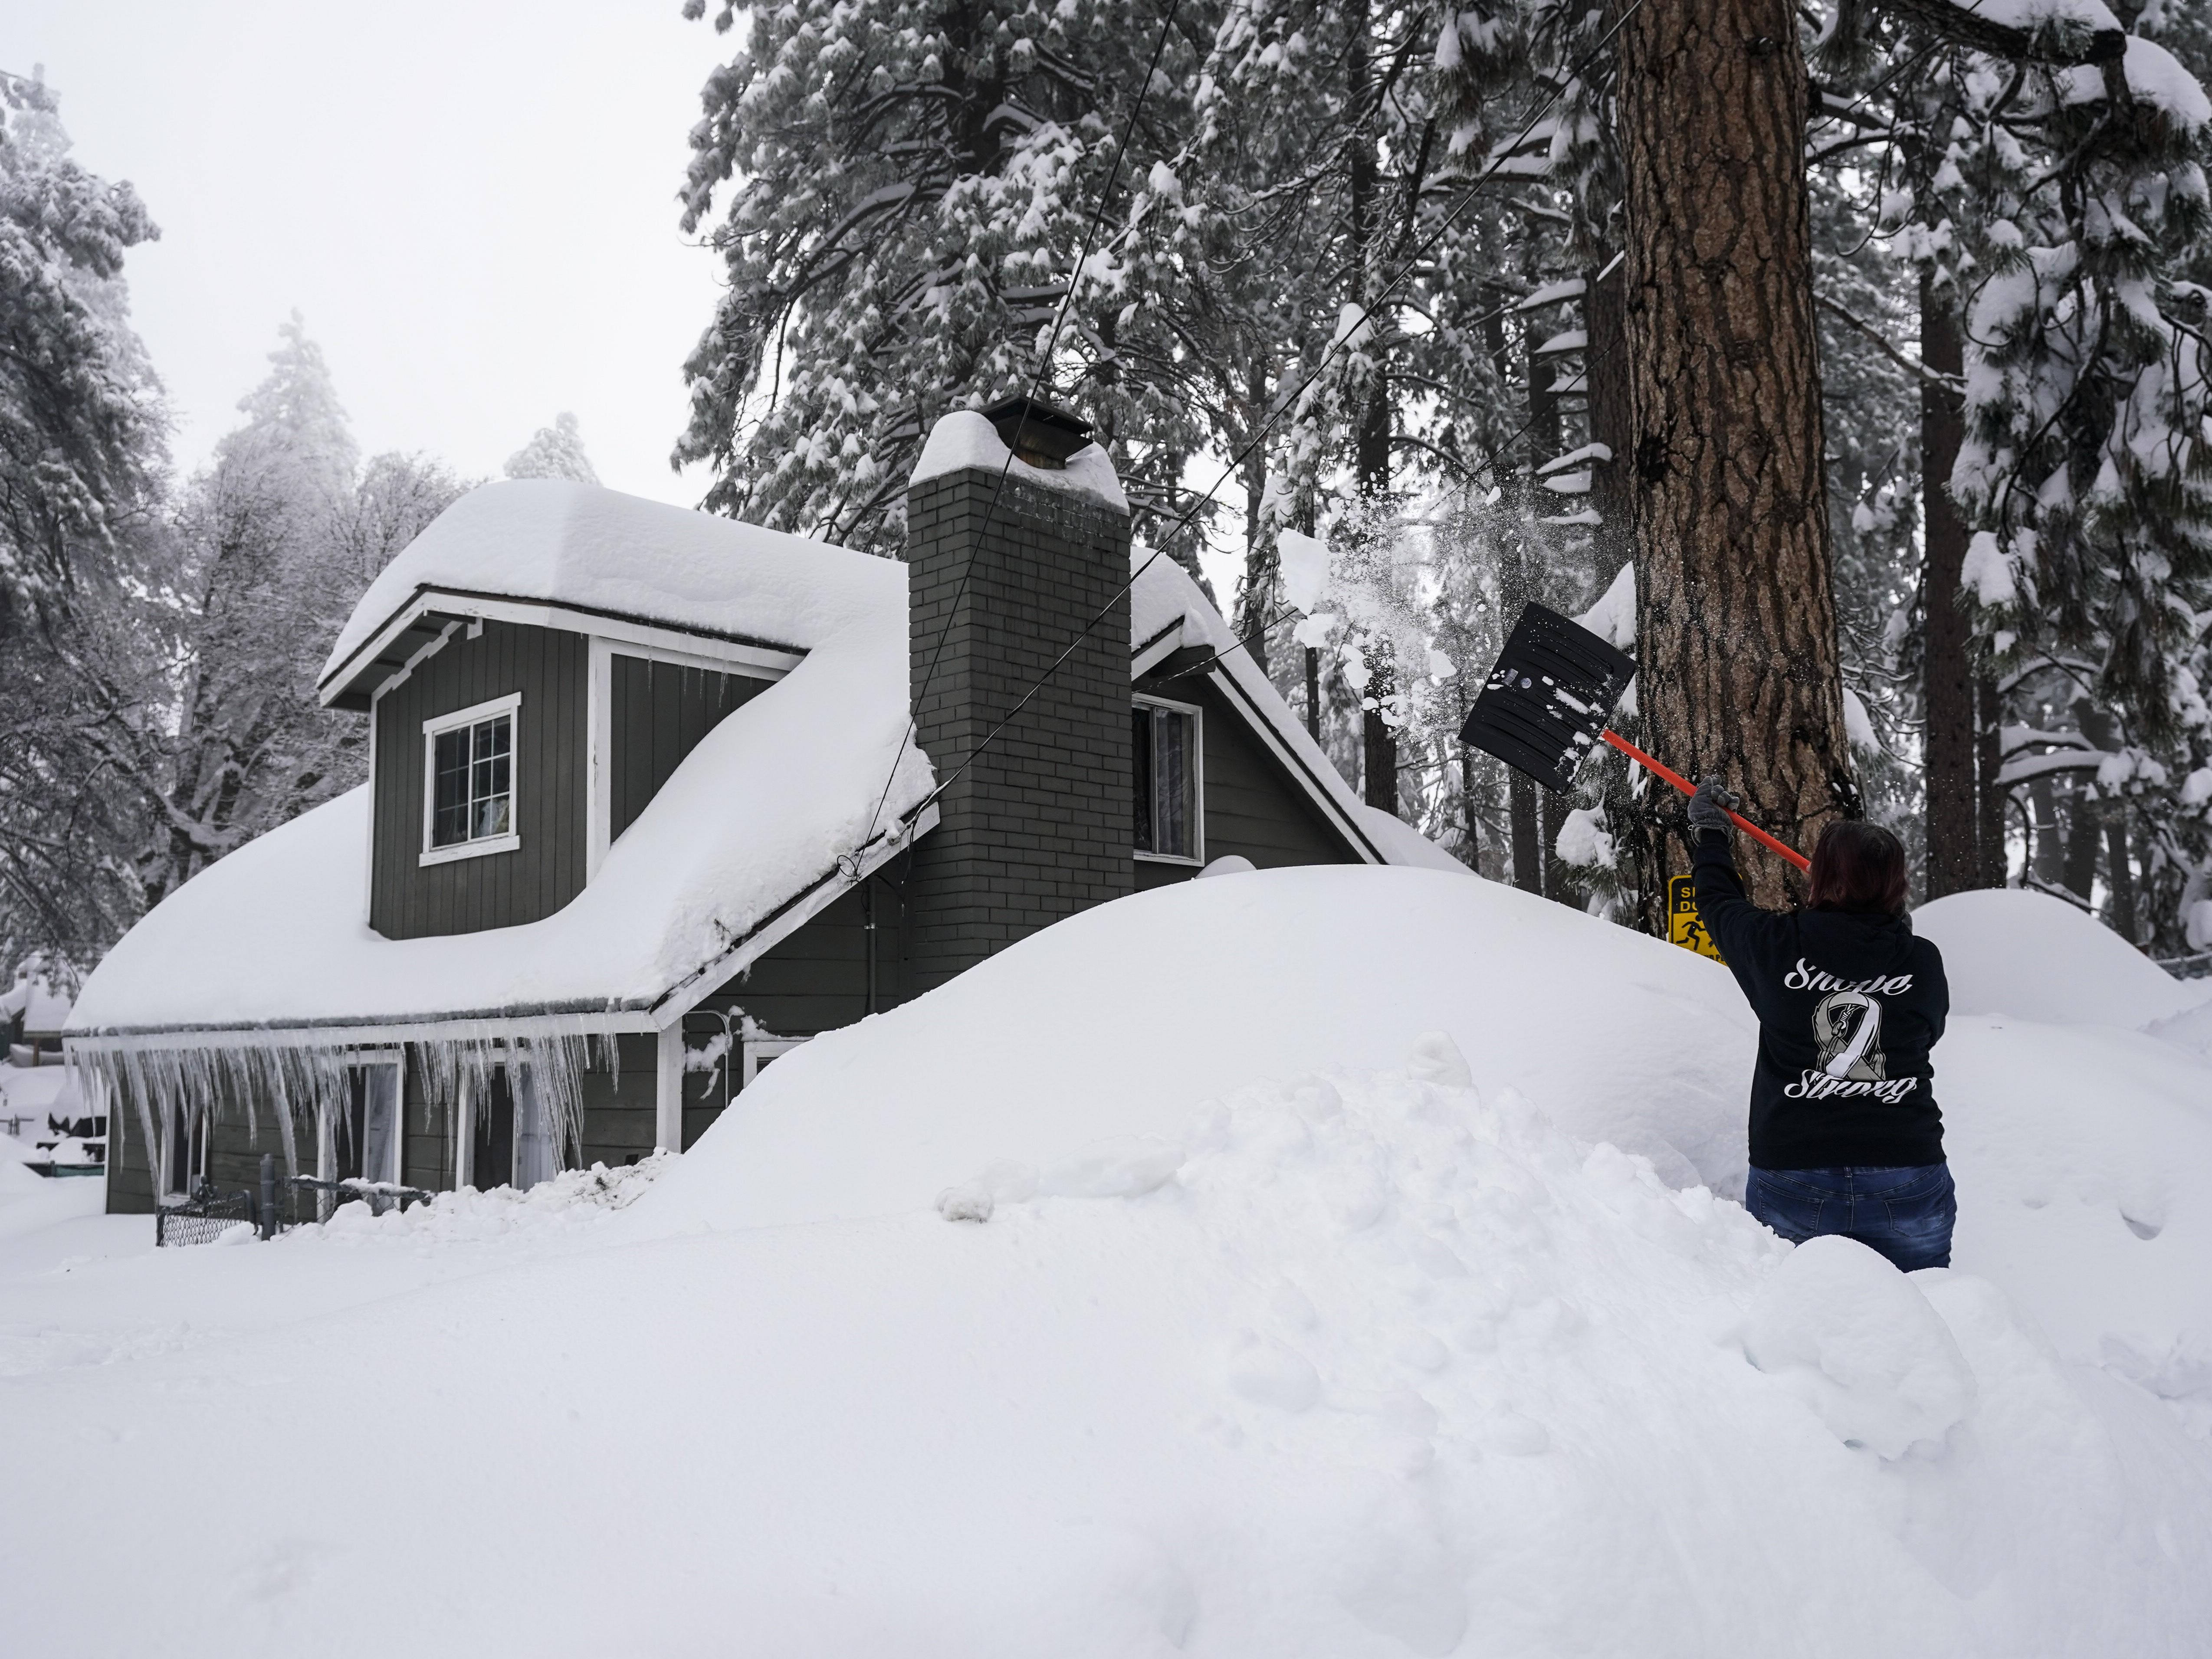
(1140, 772)
(487, 811)
(449, 808)
(1171, 767)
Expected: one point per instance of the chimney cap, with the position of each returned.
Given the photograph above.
(1039, 433)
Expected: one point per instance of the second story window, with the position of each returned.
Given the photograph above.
(1165, 764)
(469, 786)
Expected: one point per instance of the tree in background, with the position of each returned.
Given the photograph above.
(80, 426)
(172, 717)
(909, 186)
(554, 452)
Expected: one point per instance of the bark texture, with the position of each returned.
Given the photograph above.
(1736, 640)
(1954, 855)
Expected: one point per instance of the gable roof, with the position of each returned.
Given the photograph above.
(587, 555)
(761, 826)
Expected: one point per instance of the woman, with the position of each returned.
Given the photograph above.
(1845, 1137)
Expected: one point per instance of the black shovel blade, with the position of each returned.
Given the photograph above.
(1549, 698)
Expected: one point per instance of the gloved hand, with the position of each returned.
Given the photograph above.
(1711, 806)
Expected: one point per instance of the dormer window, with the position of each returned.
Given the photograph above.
(468, 794)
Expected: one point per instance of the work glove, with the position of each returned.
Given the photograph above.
(1711, 806)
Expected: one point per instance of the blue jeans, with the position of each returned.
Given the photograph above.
(1904, 1213)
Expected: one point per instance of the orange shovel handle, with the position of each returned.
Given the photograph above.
(1685, 785)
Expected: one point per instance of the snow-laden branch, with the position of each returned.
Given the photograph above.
(2063, 33)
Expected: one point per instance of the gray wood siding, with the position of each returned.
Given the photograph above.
(660, 712)
(1253, 805)
(618, 1104)
(233, 1160)
(550, 669)
(130, 1166)
(814, 981)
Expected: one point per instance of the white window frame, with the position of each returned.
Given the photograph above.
(177, 1119)
(509, 705)
(1197, 860)
(759, 1049)
(327, 1134)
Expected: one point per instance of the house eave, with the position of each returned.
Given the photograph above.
(353, 683)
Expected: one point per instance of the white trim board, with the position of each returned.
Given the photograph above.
(763, 660)
(598, 753)
(709, 977)
(1148, 700)
(433, 729)
(478, 1028)
(1156, 650)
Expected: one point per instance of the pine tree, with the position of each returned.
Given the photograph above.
(909, 183)
(554, 452)
(81, 423)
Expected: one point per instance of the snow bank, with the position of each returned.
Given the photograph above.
(1238, 1268)
(965, 439)
(1190, 991)
(2009, 951)
(1358, 1363)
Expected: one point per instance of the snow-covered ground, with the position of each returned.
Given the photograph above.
(1324, 1261)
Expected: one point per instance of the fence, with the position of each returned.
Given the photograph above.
(202, 1218)
(208, 1215)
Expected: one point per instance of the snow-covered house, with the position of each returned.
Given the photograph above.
(656, 795)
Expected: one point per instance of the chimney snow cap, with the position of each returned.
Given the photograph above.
(965, 438)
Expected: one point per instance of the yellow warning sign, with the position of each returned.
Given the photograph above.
(1685, 926)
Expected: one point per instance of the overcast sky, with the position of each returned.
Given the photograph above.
(472, 204)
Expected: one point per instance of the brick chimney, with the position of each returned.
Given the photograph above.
(1039, 826)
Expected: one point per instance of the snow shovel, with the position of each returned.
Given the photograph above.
(1545, 707)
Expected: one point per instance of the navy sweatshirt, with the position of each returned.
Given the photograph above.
(1848, 1007)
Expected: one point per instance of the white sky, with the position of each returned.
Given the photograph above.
(472, 203)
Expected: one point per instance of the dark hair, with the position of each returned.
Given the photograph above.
(1858, 868)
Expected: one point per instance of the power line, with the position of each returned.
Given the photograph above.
(1044, 362)
(1343, 337)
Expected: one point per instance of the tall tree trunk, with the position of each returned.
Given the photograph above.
(1313, 693)
(1955, 854)
(1512, 594)
(2085, 829)
(1736, 618)
(1988, 758)
(2120, 873)
(1605, 369)
(1371, 458)
(2050, 848)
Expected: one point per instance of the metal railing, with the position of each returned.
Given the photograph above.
(202, 1218)
(279, 1205)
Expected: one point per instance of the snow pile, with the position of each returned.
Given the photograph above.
(2009, 952)
(601, 550)
(1192, 991)
(572, 1198)
(1249, 1267)
(1854, 1340)
(964, 439)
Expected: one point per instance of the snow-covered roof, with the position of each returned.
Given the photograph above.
(607, 555)
(273, 936)
(1166, 599)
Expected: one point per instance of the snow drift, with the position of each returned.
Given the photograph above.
(1305, 1304)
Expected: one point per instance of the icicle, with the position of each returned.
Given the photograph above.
(302, 1077)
